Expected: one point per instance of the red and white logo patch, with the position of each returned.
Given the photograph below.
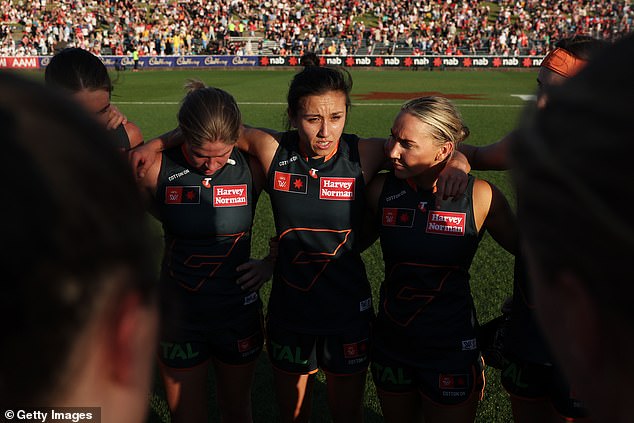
(448, 381)
(446, 223)
(247, 344)
(398, 217)
(290, 182)
(358, 349)
(182, 195)
(230, 195)
(341, 189)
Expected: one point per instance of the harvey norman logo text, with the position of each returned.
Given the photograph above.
(446, 223)
(336, 189)
(230, 195)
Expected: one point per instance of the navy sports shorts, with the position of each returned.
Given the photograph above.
(239, 342)
(445, 381)
(524, 379)
(344, 353)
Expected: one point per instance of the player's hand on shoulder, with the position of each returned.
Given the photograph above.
(143, 156)
(141, 159)
(452, 180)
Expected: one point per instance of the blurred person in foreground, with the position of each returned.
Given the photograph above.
(78, 297)
(529, 373)
(577, 230)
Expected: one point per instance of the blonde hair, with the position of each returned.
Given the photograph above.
(208, 114)
(441, 116)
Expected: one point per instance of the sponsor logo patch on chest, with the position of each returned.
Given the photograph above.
(446, 223)
(452, 381)
(336, 189)
(290, 182)
(230, 195)
(355, 350)
(248, 344)
(182, 195)
(398, 217)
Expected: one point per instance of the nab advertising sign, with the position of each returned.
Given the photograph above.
(413, 62)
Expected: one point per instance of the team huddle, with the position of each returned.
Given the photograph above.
(332, 194)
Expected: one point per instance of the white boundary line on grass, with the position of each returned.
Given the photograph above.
(251, 103)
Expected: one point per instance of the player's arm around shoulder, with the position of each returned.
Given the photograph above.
(148, 184)
(370, 232)
(493, 212)
(373, 192)
(373, 157)
(490, 157)
(134, 134)
(260, 144)
(257, 174)
(142, 156)
(255, 272)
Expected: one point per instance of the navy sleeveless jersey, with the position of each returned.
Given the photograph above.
(425, 305)
(120, 137)
(319, 285)
(207, 225)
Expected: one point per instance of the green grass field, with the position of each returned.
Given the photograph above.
(150, 99)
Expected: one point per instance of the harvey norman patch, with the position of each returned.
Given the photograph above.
(182, 195)
(446, 223)
(230, 195)
(336, 189)
(290, 182)
(398, 217)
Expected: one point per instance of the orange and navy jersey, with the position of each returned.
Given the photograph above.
(207, 224)
(319, 284)
(427, 252)
(120, 138)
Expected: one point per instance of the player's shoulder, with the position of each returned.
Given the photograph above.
(134, 134)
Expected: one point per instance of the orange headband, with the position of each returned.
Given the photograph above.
(563, 62)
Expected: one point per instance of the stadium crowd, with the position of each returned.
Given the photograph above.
(162, 27)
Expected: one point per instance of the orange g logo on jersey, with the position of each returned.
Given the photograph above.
(307, 266)
(404, 299)
(192, 271)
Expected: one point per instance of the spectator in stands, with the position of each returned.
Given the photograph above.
(530, 25)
